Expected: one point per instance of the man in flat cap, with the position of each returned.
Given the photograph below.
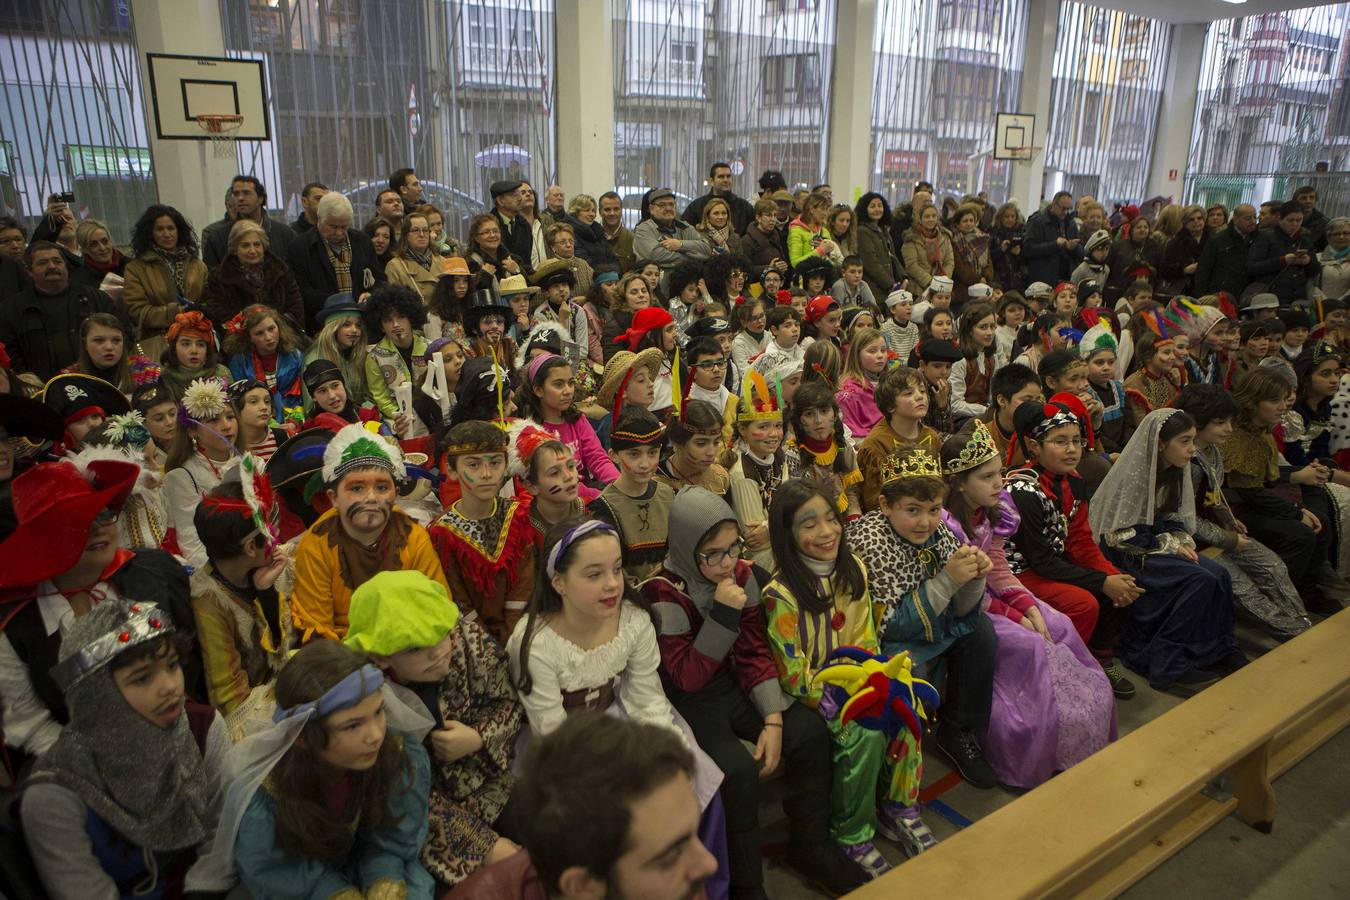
(507, 198)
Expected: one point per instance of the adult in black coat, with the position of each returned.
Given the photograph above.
(1223, 261)
(1050, 244)
(310, 258)
(40, 325)
(592, 245)
(250, 202)
(517, 237)
(719, 184)
(1282, 256)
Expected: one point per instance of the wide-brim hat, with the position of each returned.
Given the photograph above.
(340, 304)
(454, 265)
(22, 417)
(553, 271)
(55, 505)
(512, 285)
(299, 456)
(72, 394)
(618, 367)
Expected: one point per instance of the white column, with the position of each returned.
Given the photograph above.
(1034, 99)
(188, 176)
(850, 159)
(585, 110)
(1181, 91)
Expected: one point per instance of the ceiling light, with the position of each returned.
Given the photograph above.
(1234, 2)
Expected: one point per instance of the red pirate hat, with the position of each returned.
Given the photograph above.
(56, 504)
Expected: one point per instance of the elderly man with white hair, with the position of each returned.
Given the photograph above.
(333, 258)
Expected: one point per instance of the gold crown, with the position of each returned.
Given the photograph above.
(977, 451)
(913, 463)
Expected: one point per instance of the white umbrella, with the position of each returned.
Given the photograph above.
(500, 156)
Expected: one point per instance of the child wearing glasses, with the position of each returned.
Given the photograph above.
(719, 673)
(707, 368)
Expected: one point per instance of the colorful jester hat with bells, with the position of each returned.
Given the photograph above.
(258, 503)
(882, 692)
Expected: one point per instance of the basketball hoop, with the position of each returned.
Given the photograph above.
(220, 130)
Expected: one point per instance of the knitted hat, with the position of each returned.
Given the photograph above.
(319, 372)
(357, 447)
(650, 318)
(397, 611)
(1038, 290)
(191, 324)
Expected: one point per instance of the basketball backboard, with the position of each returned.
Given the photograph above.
(1013, 133)
(185, 87)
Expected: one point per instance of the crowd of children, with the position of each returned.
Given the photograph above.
(286, 614)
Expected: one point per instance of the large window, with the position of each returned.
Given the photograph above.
(1274, 109)
(702, 81)
(72, 118)
(944, 69)
(1104, 101)
(461, 90)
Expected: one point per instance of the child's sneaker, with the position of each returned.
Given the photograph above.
(905, 826)
(868, 858)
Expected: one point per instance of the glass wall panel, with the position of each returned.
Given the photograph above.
(1274, 109)
(71, 114)
(1104, 102)
(702, 81)
(944, 68)
(462, 90)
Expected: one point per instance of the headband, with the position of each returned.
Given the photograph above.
(537, 363)
(345, 694)
(570, 538)
(1055, 416)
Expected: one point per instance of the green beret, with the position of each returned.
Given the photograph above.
(397, 611)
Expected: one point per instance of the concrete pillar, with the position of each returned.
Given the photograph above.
(585, 109)
(850, 123)
(1034, 99)
(1181, 92)
(188, 175)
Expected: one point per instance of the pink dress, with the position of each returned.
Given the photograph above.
(1052, 705)
(857, 406)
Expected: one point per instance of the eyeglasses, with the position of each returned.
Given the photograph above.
(711, 365)
(717, 557)
(106, 517)
(422, 231)
(1065, 443)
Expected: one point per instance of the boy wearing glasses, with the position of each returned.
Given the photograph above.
(707, 380)
(719, 672)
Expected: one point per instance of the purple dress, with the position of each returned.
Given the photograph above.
(1052, 702)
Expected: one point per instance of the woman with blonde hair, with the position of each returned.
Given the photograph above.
(415, 264)
(99, 257)
(1181, 255)
(716, 228)
(250, 275)
(592, 245)
(342, 340)
(808, 236)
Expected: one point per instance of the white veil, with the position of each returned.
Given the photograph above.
(1127, 495)
(251, 760)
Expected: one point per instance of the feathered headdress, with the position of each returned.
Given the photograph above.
(1195, 321)
(258, 503)
(523, 438)
(359, 446)
(1098, 337)
(759, 402)
(882, 692)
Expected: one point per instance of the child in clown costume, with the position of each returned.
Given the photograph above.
(817, 603)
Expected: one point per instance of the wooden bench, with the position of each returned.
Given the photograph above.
(1101, 826)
